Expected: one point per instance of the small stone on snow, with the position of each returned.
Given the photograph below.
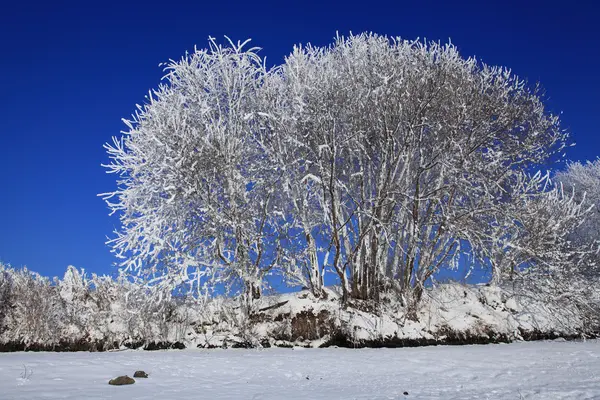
(121, 380)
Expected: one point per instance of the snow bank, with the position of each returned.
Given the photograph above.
(449, 314)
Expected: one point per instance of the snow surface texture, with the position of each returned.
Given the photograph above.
(532, 370)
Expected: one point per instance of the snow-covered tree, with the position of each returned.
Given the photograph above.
(37, 315)
(584, 181)
(196, 189)
(403, 153)
(74, 290)
(380, 159)
(6, 298)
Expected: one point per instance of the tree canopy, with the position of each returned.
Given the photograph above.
(376, 159)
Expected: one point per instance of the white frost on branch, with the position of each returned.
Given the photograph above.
(379, 159)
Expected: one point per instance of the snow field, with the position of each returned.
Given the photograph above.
(533, 370)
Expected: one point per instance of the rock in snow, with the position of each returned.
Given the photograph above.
(121, 380)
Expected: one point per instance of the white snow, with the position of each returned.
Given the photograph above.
(533, 370)
(467, 311)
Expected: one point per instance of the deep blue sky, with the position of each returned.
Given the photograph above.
(70, 72)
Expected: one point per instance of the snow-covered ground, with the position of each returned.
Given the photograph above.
(533, 370)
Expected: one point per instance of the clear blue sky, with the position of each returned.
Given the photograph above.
(71, 71)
